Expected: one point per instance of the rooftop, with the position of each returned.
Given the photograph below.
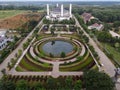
(86, 16)
(96, 25)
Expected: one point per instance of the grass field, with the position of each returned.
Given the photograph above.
(9, 13)
(112, 51)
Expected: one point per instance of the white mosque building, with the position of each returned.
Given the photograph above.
(59, 13)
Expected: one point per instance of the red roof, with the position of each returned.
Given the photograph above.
(95, 25)
(86, 16)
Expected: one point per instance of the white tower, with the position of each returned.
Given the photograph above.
(57, 5)
(48, 9)
(70, 10)
(62, 10)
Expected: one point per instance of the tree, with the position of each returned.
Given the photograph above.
(107, 27)
(117, 45)
(86, 39)
(95, 80)
(80, 32)
(53, 42)
(116, 30)
(62, 54)
(9, 65)
(116, 24)
(78, 85)
(51, 55)
(104, 36)
(38, 86)
(51, 84)
(52, 31)
(10, 85)
(21, 85)
(3, 71)
(68, 83)
(6, 85)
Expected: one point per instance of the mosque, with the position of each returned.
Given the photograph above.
(59, 13)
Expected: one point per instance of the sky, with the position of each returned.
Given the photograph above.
(59, 0)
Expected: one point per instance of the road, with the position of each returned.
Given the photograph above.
(108, 65)
(4, 64)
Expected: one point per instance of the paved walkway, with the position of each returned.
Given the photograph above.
(59, 32)
(55, 72)
(108, 65)
(12, 55)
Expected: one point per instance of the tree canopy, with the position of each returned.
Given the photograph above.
(104, 36)
(95, 80)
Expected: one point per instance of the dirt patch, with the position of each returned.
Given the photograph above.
(19, 20)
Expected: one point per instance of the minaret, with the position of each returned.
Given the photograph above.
(62, 10)
(57, 5)
(48, 9)
(70, 10)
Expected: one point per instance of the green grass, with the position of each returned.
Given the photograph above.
(18, 68)
(46, 64)
(112, 51)
(9, 13)
(29, 66)
(26, 65)
(95, 68)
(37, 62)
(79, 66)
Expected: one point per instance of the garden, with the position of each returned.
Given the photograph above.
(42, 54)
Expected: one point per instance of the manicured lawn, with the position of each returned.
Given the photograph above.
(18, 68)
(9, 13)
(27, 65)
(77, 66)
(112, 51)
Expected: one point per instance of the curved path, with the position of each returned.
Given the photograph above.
(71, 60)
(55, 72)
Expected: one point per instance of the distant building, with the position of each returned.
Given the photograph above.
(114, 34)
(96, 26)
(59, 13)
(87, 17)
(3, 39)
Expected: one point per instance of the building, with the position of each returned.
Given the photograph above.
(96, 26)
(114, 34)
(59, 13)
(3, 39)
(87, 17)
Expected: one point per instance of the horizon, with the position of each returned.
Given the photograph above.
(60, 1)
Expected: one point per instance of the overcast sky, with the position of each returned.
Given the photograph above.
(59, 0)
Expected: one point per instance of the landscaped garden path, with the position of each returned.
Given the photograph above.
(108, 65)
(55, 71)
(4, 64)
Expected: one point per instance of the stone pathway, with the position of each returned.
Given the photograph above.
(55, 72)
